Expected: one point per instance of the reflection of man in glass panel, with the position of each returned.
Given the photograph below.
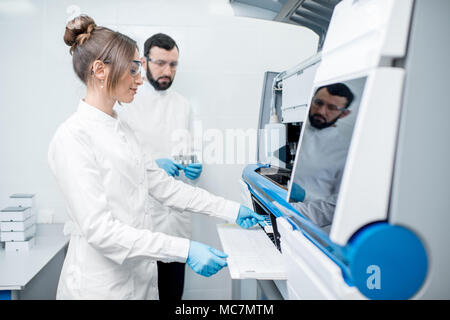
(322, 156)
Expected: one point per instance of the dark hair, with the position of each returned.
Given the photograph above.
(339, 89)
(89, 42)
(160, 40)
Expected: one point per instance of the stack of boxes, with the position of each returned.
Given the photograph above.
(18, 223)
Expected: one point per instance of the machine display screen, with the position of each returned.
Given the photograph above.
(323, 148)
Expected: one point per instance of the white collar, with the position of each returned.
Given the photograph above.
(149, 87)
(93, 113)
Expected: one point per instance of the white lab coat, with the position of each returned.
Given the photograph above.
(105, 178)
(319, 171)
(161, 120)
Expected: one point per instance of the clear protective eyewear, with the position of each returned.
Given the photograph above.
(163, 63)
(331, 107)
(135, 68)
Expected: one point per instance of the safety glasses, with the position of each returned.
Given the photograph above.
(162, 63)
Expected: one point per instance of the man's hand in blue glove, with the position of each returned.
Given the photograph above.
(297, 193)
(247, 218)
(205, 260)
(169, 166)
(193, 171)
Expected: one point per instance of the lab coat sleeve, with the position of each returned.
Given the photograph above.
(320, 212)
(181, 196)
(78, 175)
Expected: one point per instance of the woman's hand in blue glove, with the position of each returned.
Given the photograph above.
(247, 218)
(204, 259)
(169, 166)
(193, 171)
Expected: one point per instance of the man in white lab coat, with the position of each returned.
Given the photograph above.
(160, 118)
(322, 155)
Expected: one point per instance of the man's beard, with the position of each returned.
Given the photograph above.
(154, 82)
(316, 123)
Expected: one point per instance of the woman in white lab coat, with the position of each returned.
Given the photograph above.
(105, 178)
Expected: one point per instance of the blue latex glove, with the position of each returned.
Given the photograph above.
(247, 218)
(193, 171)
(169, 166)
(205, 260)
(297, 193)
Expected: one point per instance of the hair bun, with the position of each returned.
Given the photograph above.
(78, 30)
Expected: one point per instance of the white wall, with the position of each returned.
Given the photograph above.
(222, 62)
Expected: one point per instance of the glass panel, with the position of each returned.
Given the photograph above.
(325, 142)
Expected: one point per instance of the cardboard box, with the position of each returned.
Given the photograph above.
(15, 214)
(18, 236)
(20, 245)
(11, 226)
(22, 200)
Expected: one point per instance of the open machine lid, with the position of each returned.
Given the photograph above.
(312, 14)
